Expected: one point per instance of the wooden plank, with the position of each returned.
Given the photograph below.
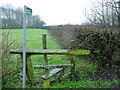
(51, 51)
(52, 73)
(51, 66)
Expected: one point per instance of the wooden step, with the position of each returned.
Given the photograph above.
(52, 73)
(51, 66)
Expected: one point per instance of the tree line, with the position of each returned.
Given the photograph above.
(12, 18)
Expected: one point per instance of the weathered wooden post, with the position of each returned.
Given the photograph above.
(71, 57)
(29, 70)
(45, 47)
(46, 82)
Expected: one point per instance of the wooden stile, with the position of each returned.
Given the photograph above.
(57, 68)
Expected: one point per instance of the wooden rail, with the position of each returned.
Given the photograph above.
(51, 66)
(51, 51)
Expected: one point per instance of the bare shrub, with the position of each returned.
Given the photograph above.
(11, 65)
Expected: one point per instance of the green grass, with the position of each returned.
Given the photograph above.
(82, 84)
(34, 41)
(34, 38)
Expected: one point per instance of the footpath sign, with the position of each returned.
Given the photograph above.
(27, 11)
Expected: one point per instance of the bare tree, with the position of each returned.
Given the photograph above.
(104, 13)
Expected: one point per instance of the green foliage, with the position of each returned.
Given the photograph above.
(82, 84)
(84, 71)
(102, 43)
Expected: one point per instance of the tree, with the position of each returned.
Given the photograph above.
(37, 22)
(7, 16)
(19, 18)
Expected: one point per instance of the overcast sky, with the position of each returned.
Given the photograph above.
(55, 12)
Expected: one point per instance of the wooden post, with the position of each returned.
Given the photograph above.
(71, 57)
(29, 70)
(73, 66)
(46, 83)
(45, 47)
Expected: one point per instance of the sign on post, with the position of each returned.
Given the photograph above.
(25, 13)
(28, 11)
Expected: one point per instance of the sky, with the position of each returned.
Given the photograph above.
(55, 12)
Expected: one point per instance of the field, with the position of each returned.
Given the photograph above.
(84, 70)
